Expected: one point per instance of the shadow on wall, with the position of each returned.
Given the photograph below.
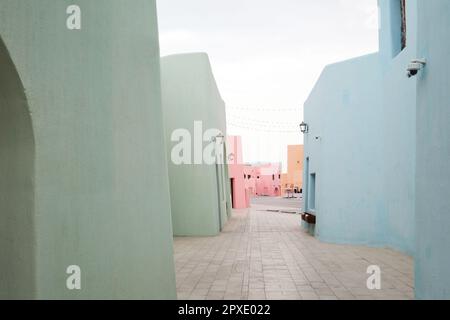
(17, 278)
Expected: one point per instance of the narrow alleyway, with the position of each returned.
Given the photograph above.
(266, 255)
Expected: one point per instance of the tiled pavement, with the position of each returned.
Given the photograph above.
(266, 255)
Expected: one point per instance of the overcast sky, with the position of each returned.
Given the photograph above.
(266, 57)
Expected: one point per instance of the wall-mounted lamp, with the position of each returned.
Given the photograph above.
(220, 138)
(304, 128)
(415, 66)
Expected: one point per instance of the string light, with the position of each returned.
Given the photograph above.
(252, 124)
(263, 122)
(259, 109)
(267, 130)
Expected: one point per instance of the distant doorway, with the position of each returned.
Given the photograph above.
(306, 186)
(233, 203)
(312, 192)
(222, 187)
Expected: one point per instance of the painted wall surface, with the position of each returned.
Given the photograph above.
(345, 153)
(240, 194)
(200, 193)
(81, 148)
(268, 180)
(360, 147)
(250, 180)
(399, 128)
(433, 152)
(17, 152)
(293, 179)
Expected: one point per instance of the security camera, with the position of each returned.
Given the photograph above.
(415, 66)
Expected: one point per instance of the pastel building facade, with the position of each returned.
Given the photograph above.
(248, 180)
(81, 146)
(240, 193)
(377, 149)
(200, 191)
(432, 257)
(250, 174)
(293, 178)
(268, 180)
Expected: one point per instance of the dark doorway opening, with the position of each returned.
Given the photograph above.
(232, 181)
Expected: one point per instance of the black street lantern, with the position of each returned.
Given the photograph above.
(304, 127)
(220, 139)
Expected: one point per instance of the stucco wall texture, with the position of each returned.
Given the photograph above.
(200, 193)
(346, 158)
(433, 153)
(361, 144)
(240, 194)
(82, 137)
(379, 144)
(293, 177)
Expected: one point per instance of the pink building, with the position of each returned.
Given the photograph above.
(240, 194)
(250, 174)
(248, 181)
(268, 180)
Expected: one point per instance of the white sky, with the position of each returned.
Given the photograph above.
(266, 57)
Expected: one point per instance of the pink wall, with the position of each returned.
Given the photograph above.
(248, 181)
(240, 195)
(269, 182)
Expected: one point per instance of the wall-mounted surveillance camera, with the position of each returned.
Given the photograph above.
(415, 66)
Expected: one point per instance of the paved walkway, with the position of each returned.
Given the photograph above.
(266, 255)
(280, 202)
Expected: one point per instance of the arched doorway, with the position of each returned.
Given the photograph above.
(17, 280)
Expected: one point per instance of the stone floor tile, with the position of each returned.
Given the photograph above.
(266, 255)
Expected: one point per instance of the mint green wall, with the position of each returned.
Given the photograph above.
(101, 198)
(190, 94)
(16, 185)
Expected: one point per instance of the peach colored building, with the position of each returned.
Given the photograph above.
(293, 179)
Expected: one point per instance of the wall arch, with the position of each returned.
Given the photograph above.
(17, 245)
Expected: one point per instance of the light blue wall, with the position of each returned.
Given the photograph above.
(382, 159)
(433, 152)
(398, 132)
(345, 152)
(398, 136)
(361, 142)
